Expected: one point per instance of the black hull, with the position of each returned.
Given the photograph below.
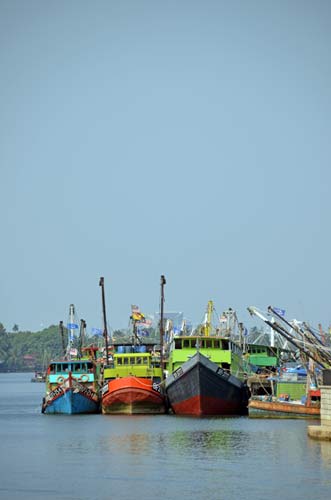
(200, 387)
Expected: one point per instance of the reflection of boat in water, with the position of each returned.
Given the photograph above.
(72, 382)
(206, 375)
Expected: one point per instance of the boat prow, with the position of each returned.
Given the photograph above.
(200, 387)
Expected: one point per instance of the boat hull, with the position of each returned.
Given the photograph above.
(71, 398)
(200, 387)
(132, 395)
(281, 409)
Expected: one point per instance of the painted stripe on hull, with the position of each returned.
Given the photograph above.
(200, 405)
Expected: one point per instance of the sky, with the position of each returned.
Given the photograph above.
(180, 137)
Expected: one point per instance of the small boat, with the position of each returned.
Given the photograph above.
(284, 408)
(206, 373)
(72, 382)
(39, 377)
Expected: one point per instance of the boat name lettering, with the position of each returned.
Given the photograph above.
(86, 391)
(178, 372)
(56, 392)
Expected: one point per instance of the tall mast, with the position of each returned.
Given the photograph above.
(163, 282)
(105, 332)
(62, 338)
(71, 330)
(210, 308)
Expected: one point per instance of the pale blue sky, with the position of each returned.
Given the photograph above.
(185, 138)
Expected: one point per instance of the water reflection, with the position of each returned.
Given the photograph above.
(325, 447)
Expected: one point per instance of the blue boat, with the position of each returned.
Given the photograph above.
(72, 382)
(71, 387)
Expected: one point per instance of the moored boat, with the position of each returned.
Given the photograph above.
(39, 377)
(71, 387)
(72, 382)
(201, 387)
(282, 408)
(206, 373)
(132, 382)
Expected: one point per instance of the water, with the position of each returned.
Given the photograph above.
(86, 457)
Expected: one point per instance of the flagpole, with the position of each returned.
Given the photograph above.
(105, 333)
(163, 282)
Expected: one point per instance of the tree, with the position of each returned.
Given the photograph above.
(15, 328)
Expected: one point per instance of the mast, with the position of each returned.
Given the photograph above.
(71, 329)
(163, 282)
(62, 338)
(210, 308)
(105, 332)
(81, 337)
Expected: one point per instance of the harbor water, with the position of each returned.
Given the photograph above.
(86, 457)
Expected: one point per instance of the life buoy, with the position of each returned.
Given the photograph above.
(60, 380)
(83, 378)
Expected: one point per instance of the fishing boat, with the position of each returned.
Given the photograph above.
(132, 379)
(72, 382)
(206, 373)
(132, 382)
(284, 407)
(39, 377)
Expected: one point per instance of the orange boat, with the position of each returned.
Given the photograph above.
(270, 408)
(132, 382)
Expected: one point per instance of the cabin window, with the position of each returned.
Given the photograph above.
(52, 369)
(208, 343)
(63, 368)
(119, 361)
(132, 361)
(76, 368)
(225, 344)
(139, 361)
(178, 344)
(145, 360)
(216, 344)
(186, 343)
(125, 361)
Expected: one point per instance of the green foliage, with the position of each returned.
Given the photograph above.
(26, 351)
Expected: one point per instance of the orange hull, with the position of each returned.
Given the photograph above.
(281, 409)
(132, 395)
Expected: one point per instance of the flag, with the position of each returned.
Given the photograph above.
(136, 315)
(72, 326)
(245, 332)
(279, 311)
(96, 331)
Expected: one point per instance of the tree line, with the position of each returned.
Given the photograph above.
(32, 351)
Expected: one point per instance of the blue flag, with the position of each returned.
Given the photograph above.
(281, 312)
(96, 331)
(72, 326)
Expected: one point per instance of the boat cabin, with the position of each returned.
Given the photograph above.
(71, 366)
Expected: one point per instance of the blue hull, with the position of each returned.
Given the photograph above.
(72, 403)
